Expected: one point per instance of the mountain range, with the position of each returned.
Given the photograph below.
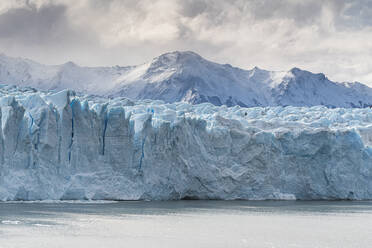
(186, 76)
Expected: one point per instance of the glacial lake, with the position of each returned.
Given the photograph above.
(186, 224)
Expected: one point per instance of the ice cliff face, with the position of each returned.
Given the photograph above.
(187, 77)
(67, 146)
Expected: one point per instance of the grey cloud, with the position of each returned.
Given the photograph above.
(99, 4)
(32, 25)
(358, 14)
(346, 13)
(302, 12)
(193, 8)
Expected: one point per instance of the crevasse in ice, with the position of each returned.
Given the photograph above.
(61, 145)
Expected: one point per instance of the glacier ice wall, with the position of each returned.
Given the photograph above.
(67, 146)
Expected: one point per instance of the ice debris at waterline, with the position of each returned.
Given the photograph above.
(64, 146)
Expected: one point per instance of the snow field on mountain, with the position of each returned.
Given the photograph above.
(187, 77)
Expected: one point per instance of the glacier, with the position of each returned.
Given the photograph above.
(62, 145)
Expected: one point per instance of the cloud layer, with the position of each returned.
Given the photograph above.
(330, 36)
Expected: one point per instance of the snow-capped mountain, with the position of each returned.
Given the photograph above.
(186, 76)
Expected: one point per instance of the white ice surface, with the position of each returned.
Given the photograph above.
(65, 146)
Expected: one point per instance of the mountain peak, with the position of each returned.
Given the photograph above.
(176, 61)
(295, 70)
(181, 54)
(302, 73)
(3, 56)
(177, 57)
(175, 75)
(69, 64)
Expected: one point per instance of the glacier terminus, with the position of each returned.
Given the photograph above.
(63, 145)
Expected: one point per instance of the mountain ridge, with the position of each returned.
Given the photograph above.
(186, 76)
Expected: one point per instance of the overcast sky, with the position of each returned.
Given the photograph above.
(330, 36)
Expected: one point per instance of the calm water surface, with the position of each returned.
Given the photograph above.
(186, 224)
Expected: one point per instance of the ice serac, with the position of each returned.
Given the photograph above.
(62, 145)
